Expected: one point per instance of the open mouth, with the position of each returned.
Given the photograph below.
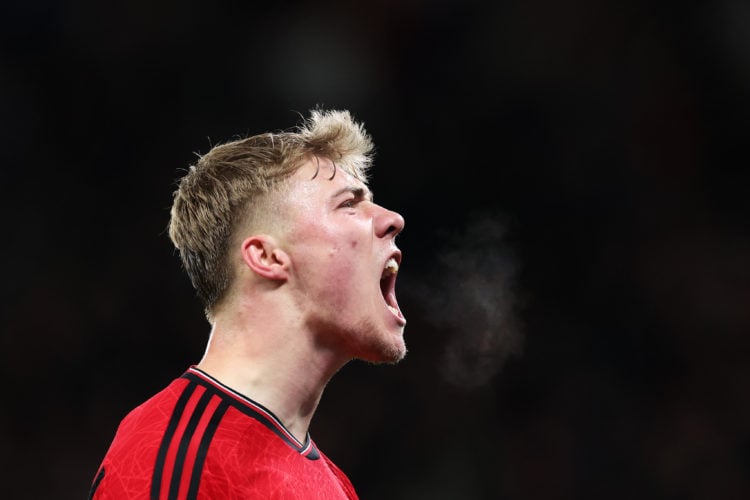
(388, 287)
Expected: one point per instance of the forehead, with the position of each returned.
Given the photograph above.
(320, 175)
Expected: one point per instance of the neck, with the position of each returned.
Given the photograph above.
(278, 368)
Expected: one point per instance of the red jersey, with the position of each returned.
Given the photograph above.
(199, 439)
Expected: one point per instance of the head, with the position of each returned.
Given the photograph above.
(342, 255)
(263, 184)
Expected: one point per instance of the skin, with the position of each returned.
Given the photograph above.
(307, 296)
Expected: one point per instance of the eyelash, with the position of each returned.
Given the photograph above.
(349, 203)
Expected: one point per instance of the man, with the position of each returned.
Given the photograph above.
(297, 267)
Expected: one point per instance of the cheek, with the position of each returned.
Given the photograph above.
(343, 272)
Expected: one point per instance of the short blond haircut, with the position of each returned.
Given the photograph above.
(230, 183)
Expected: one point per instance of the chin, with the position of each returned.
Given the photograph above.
(396, 356)
(386, 353)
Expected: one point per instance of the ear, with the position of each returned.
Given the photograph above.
(265, 258)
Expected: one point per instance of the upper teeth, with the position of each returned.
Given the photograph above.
(391, 267)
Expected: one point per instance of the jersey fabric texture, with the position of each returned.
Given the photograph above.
(199, 439)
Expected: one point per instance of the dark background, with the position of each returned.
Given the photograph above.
(574, 179)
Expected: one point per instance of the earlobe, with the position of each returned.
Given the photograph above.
(262, 256)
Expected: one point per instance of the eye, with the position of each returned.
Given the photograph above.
(349, 203)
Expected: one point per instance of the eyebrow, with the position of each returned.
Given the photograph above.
(358, 192)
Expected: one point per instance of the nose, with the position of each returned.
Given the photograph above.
(389, 223)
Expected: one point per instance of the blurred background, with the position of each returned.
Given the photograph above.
(574, 180)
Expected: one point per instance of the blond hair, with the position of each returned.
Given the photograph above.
(230, 183)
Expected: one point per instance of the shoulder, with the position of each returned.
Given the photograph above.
(148, 421)
(125, 471)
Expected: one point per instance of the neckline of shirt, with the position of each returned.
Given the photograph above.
(307, 448)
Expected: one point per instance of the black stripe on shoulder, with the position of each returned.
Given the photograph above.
(95, 484)
(200, 457)
(249, 411)
(179, 463)
(167, 439)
